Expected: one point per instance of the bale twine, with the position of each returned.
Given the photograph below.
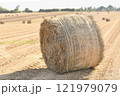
(70, 43)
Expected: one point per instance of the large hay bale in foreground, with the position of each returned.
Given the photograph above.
(70, 43)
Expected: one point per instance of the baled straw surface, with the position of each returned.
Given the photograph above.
(70, 43)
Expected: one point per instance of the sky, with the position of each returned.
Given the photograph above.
(49, 4)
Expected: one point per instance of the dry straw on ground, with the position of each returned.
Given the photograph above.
(70, 43)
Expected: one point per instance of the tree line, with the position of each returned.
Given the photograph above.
(88, 9)
(16, 10)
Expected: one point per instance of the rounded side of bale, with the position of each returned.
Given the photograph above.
(71, 43)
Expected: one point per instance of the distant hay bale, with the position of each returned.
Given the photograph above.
(5, 15)
(97, 12)
(54, 15)
(103, 18)
(23, 21)
(70, 43)
(107, 20)
(43, 17)
(29, 21)
(2, 22)
(51, 17)
(77, 13)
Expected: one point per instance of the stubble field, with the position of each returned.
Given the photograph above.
(20, 56)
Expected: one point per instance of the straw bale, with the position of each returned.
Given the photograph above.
(70, 43)
(23, 21)
(107, 20)
(29, 21)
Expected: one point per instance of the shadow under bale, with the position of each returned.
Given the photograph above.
(46, 74)
(71, 43)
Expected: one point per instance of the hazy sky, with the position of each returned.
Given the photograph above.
(37, 4)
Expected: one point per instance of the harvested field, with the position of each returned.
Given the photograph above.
(20, 56)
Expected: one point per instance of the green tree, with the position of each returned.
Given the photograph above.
(115, 9)
(16, 10)
(81, 9)
(28, 10)
(94, 9)
(89, 8)
(3, 10)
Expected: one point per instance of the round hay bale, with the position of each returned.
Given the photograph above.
(29, 21)
(70, 43)
(103, 18)
(43, 17)
(23, 21)
(107, 20)
(2, 22)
